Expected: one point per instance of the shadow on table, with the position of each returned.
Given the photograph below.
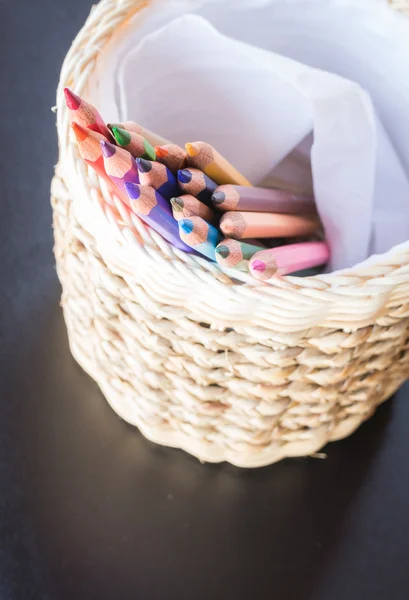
(118, 517)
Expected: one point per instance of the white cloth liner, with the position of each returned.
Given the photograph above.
(192, 70)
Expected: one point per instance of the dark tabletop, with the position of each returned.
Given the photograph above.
(89, 508)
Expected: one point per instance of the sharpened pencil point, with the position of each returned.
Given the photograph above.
(177, 204)
(184, 176)
(218, 198)
(161, 152)
(192, 149)
(186, 225)
(121, 136)
(258, 265)
(73, 101)
(107, 148)
(223, 251)
(133, 190)
(144, 166)
(227, 227)
(80, 132)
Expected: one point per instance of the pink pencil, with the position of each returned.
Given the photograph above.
(119, 165)
(274, 262)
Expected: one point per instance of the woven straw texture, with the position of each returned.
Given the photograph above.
(245, 373)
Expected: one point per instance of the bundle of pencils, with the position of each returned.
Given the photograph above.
(197, 200)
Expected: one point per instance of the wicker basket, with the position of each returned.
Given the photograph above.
(244, 373)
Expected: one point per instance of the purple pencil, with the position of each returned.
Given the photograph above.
(254, 199)
(119, 164)
(155, 211)
(157, 176)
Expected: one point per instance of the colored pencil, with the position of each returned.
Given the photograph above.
(203, 156)
(234, 254)
(132, 127)
(243, 198)
(188, 206)
(196, 183)
(154, 210)
(119, 164)
(287, 259)
(172, 156)
(241, 225)
(89, 146)
(85, 114)
(199, 235)
(135, 143)
(157, 176)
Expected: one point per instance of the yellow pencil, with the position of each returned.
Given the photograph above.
(203, 156)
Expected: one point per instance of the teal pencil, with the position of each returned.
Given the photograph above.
(200, 235)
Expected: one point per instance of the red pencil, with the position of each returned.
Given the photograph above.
(85, 114)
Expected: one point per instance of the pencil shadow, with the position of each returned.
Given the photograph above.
(117, 516)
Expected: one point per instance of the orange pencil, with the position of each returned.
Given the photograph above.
(89, 146)
(172, 156)
(203, 156)
(188, 206)
(242, 225)
(85, 114)
(132, 127)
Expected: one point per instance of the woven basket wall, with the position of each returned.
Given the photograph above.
(245, 373)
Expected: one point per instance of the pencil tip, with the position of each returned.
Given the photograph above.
(107, 148)
(218, 198)
(112, 125)
(73, 101)
(161, 152)
(143, 165)
(177, 203)
(80, 132)
(223, 251)
(184, 176)
(226, 226)
(258, 265)
(133, 190)
(121, 136)
(186, 225)
(192, 149)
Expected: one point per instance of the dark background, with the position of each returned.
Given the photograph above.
(88, 508)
